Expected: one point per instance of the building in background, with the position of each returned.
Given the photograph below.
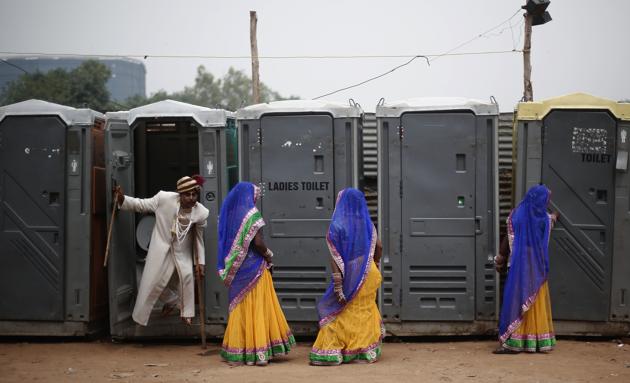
(127, 78)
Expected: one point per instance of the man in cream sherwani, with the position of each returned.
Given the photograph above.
(177, 236)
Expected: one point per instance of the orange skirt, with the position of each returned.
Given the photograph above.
(257, 329)
(535, 332)
(356, 333)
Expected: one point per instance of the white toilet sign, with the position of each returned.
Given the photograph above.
(74, 165)
(624, 134)
(210, 167)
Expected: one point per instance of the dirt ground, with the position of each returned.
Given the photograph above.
(422, 361)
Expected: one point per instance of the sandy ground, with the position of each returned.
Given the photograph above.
(423, 361)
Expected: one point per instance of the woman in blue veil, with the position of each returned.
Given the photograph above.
(525, 322)
(257, 329)
(351, 328)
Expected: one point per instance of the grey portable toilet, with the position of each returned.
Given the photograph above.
(438, 215)
(52, 220)
(301, 153)
(148, 149)
(578, 146)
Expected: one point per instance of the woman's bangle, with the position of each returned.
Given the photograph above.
(269, 253)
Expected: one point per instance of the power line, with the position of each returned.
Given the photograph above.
(15, 66)
(373, 78)
(428, 57)
(511, 27)
(432, 57)
(303, 57)
(413, 58)
(435, 57)
(478, 36)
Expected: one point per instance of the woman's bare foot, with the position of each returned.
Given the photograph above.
(188, 321)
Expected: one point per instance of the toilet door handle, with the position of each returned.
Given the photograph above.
(478, 225)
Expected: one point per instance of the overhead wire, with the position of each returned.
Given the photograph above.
(281, 57)
(14, 65)
(433, 58)
(428, 57)
(478, 36)
(248, 57)
(374, 78)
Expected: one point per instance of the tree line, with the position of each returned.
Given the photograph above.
(85, 87)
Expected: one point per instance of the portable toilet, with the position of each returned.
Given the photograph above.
(438, 215)
(147, 150)
(578, 146)
(301, 153)
(52, 220)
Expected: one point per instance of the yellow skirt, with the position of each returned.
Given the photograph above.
(356, 333)
(257, 329)
(535, 332)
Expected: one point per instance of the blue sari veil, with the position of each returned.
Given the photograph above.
(530, 225)
(351, 241)
(238, 264)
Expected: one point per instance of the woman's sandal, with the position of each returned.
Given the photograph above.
(503, 350)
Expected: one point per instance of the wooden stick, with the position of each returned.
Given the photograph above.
(528, 92)
(109, 230)
(202, 312)
(253, 21)
(202, 302)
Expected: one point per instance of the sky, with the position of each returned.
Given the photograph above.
(585, 48)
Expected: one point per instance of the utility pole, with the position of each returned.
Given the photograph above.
(253, 20)
(536, 15)
(528, 92)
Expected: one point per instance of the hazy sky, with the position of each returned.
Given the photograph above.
(585, 48)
